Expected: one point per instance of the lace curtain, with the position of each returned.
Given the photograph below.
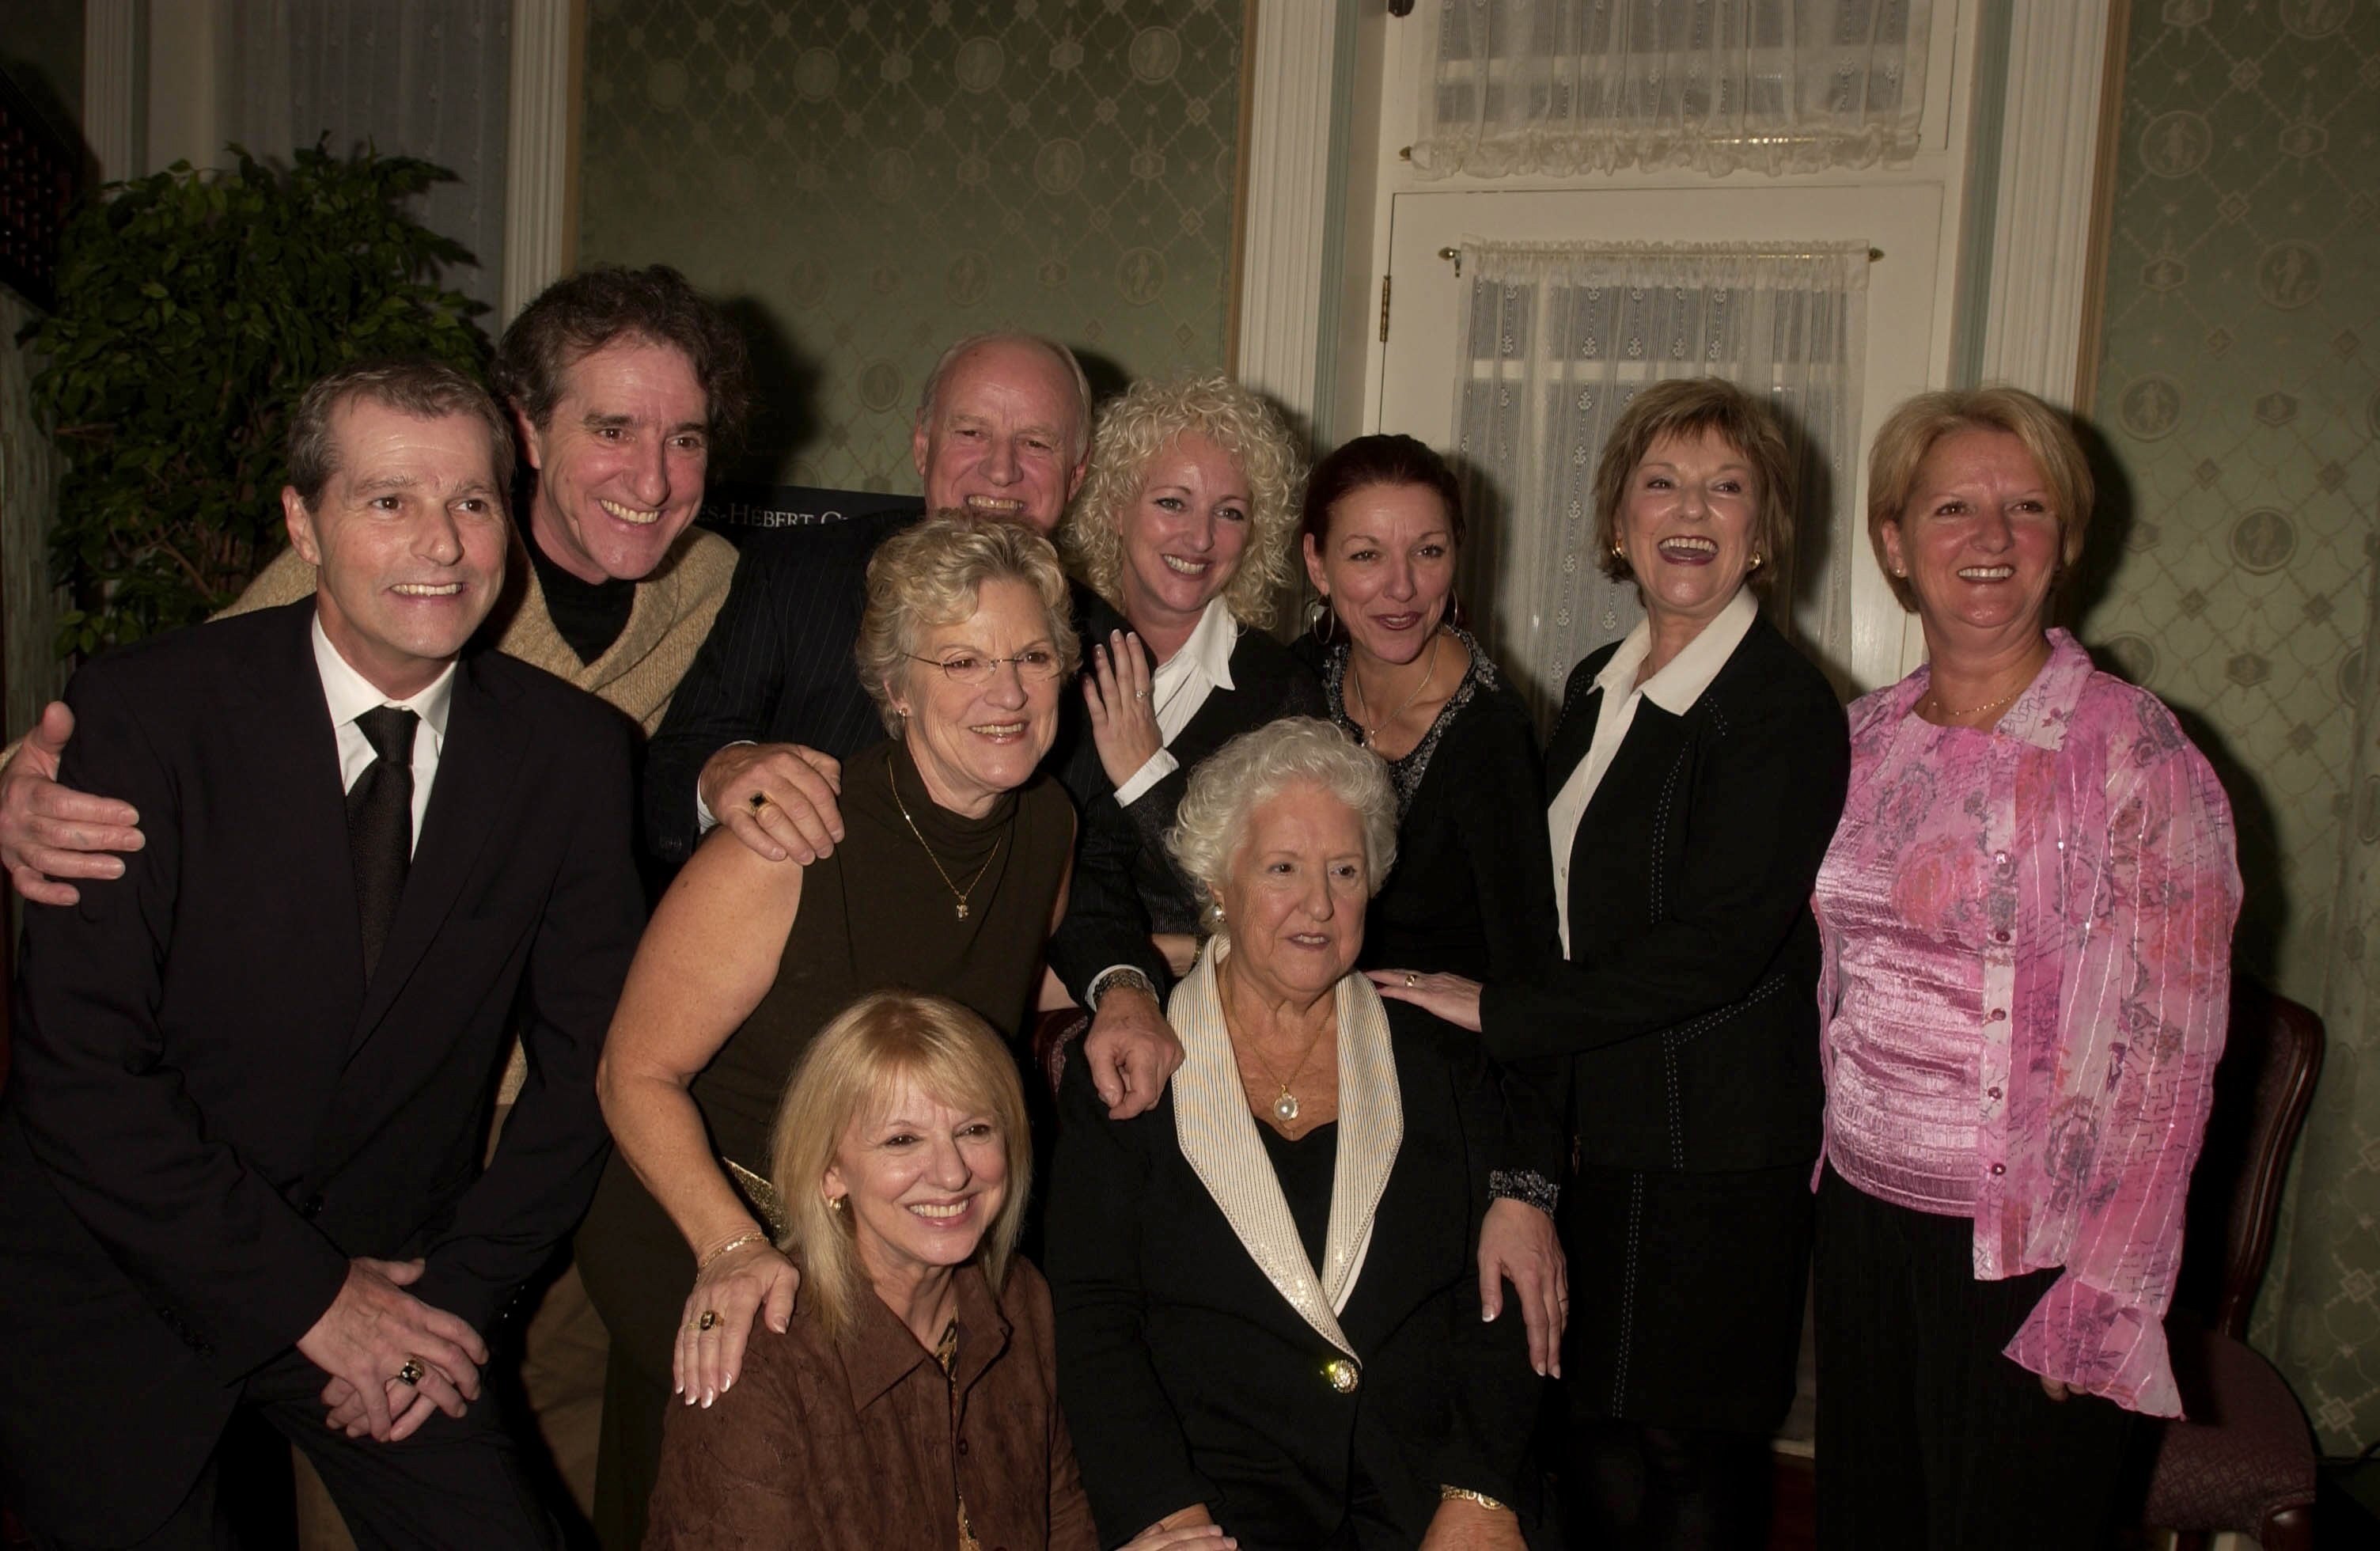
(1561, 86)
(414, 78)
(1555, 339)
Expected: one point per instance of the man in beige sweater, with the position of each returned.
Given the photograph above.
(620, 383)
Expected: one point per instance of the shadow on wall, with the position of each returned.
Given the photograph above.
(784, 396)
(2265, 909)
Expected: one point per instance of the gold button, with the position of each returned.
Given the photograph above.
(1343, 1375)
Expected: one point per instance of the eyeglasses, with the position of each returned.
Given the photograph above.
(1034, 665)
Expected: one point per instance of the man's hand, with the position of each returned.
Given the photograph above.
(369, 1334)
(1517, 1244)
(48, 831)
(1462, 1525)
(797, 789)
(1132, 1050)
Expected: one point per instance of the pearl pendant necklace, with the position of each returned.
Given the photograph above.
(1285, 1106)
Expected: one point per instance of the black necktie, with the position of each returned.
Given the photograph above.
(380, 823)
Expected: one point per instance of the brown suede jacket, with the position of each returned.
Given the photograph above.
(859, 1442)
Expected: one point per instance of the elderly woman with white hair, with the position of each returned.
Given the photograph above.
(1267, 1313)
(950, 874)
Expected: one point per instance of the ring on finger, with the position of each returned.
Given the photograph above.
(708, 1321)
(757, 801)
(413, 1373)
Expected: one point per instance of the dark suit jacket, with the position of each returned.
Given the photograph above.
(210, 1111)
(1689, 997)
(1126, 884)
(777, 666)
(1187, 1378)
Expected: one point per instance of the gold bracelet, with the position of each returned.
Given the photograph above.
(1466, 1495)
(737, 1242)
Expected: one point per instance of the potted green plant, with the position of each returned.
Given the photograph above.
(193, 308)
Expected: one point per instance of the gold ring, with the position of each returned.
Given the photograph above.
(1412, 980)
(756, 801)
(710, 1319)
(413, 1373)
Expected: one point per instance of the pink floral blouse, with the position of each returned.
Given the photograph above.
(2071, 872)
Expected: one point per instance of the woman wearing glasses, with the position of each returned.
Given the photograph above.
(950, 875)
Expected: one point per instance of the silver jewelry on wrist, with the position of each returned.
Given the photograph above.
(1121, 974)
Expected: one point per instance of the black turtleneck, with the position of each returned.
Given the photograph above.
(589, 615)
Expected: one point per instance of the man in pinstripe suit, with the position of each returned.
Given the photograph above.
(772, 704)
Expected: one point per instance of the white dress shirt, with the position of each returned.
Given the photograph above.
(1179, 686)
(350, 694)
(1675, 689)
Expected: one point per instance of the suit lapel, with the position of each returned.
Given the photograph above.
(476, 770)
(1217, 1137)
(296, 751)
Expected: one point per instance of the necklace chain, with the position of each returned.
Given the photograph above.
(1285, 1106)
(1940, 709)
(893, 781)
(1429, 672)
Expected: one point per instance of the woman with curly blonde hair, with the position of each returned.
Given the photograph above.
(1185, 524)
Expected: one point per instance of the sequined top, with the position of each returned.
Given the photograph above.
(2027, 935)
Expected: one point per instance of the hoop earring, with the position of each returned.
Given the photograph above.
(1322, 621)
(1457, 616)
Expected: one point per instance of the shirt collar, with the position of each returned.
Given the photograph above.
(1683, 678)
(2041, 713)
(1210, 645)
(879, 1351)
(350, 694)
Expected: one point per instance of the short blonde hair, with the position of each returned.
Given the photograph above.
(1143, 423)
(933, 574)
(1252, 769)
(1690, 407)
(1898, 456)
(857, 1060)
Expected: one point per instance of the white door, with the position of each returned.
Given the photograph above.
(1420, 373)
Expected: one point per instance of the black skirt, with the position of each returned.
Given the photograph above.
(1686, 1295)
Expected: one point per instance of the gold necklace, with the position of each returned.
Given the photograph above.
(1428, 671)
(1939, 709)
(1285, 1106)
(894, 782)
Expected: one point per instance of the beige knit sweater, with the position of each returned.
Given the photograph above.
(672, 614)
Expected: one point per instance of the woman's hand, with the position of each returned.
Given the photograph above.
(1189, 1526)
(1449, 997)
(1460, 1524)
(1124, 721)
(747, 1282)
(2054, 1389)
(1517, 1244)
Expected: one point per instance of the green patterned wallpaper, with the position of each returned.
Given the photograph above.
(2240, 391)
(871, 180)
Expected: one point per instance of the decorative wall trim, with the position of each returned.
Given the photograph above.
(2103, 209)
(111, 35)
(2042, 221)
(1292, 46)
(541, 148)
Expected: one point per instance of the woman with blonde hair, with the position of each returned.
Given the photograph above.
(1184, 525)
(911, 1400)
(950, 874)
(2026, 918)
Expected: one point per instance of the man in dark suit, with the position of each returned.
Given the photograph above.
(240, 1150)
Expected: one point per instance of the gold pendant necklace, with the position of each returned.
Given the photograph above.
(894, 782)
(1428, 671)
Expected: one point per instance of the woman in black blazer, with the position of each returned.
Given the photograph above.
(1266, 1311)
(1699, 769)
(1184, 526)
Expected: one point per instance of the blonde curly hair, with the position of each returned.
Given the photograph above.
(1135, 429)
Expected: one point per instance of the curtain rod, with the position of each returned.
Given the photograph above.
(1454, 255)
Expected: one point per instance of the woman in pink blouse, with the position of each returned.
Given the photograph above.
(2026, 917)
